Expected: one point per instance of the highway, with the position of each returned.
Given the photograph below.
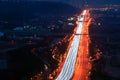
(69, 64)
(82, 66)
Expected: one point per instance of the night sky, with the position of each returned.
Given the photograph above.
(79, 2)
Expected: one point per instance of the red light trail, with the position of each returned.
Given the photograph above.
(82, 67)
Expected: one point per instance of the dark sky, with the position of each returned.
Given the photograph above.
(79, 2)
(90, 2)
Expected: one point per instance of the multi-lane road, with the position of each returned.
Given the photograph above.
(82, 66)
(69, 64)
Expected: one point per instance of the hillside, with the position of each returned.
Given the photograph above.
(34, 9)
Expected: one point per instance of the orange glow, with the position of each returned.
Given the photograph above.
(82, 67)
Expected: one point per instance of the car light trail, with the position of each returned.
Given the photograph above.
(82, 66)
(69, 65)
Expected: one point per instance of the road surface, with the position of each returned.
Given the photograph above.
(83, 66)
(69, 64)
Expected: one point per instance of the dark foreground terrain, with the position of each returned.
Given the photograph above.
(30, 34)
(105, 44)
